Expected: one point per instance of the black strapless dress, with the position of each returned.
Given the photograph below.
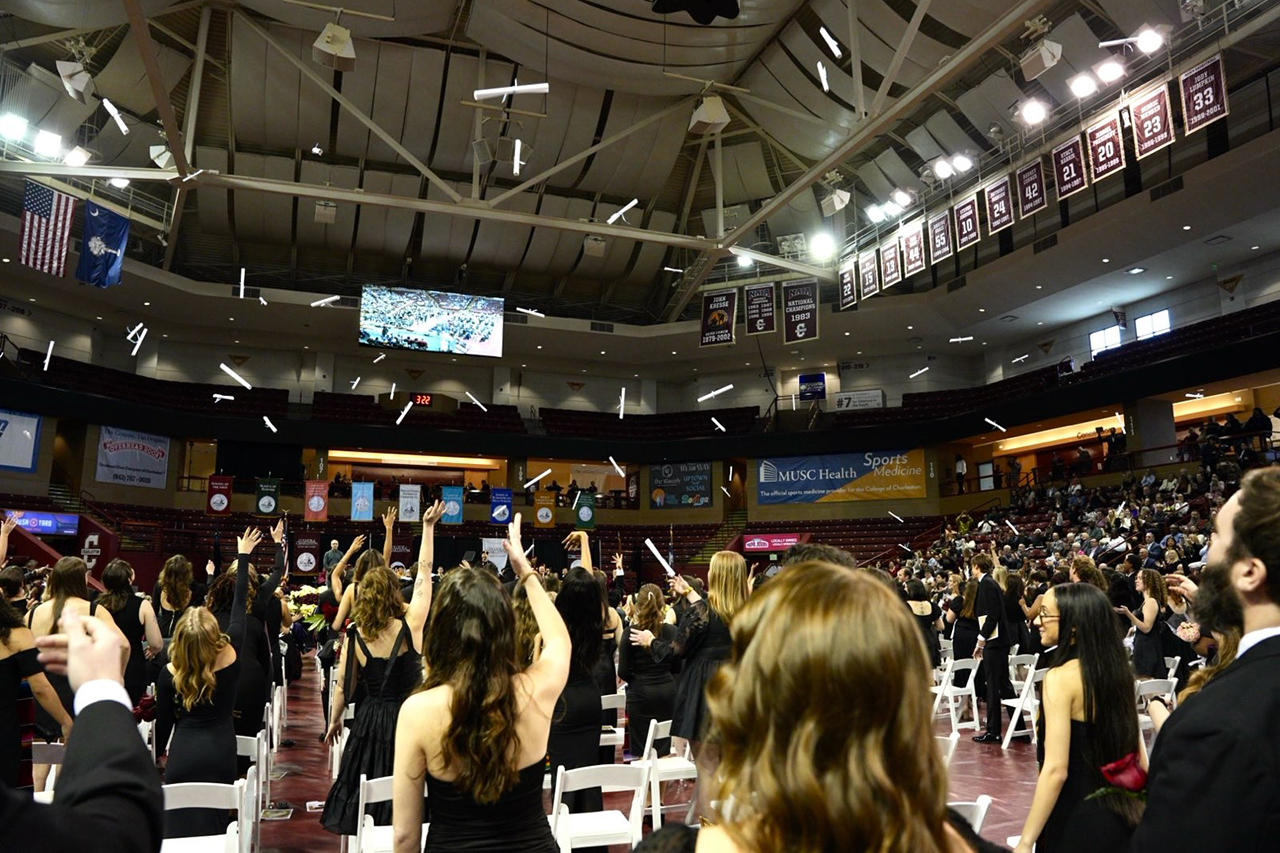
(1077, 823)
(517, 821)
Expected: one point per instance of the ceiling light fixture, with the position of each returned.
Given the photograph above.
(744, 262)
(1149, 40)
(48, 144)
(1021, 358)
(1034, 111)
(76, 157)
(1083, 85)
(942, 168)
(12, 126)
(515, 159)
(674, 270)
(77, 81)
(962, 162)
(822, 77)
(959, 340)
(918, 372)
(901, 198)
(874, 213)
(890, 209)
(1136, 270)
(316, 149)
(831, 42)
(118, 183)
(1109, 71)
(1186, 227)
(822, 246)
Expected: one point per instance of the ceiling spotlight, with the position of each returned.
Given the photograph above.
(48, 144)
(831, 42)
(1186, 227)
(1034, 111)
(12, 126)
(76, 157)
(1110, 71)
(78, 82)
(890, 209)
(115, 115)
(1136, 270)
(1149, 41)
(874, 213)
(1083, 85)
(119, 183)
(962, 162)
(744, 262)
(822, 77)
(334, 49)
(901, 198)
(942, 169)
(516, 158)
(822, 246)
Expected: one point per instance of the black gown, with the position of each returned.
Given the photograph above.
(517, 821)
(651, 689)
(13, 670)
(370, 747)
(574, 740)
(46, 726)
(167, 620)
(204, 739)
(606, 676)
(1148, 649)
(702, 641)
(252, 689)
(129, 620)
(1077, 823)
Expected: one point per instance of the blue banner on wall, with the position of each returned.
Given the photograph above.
(362, 501)
(500, 506)
(880, 475)
(813, 386)
(685, 485)
(452, 498)
(102, 251)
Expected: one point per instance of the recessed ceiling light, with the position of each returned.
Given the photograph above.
(1136, 270)
(1106, 260)
(99, 318)
(916, 348)
(1039, 287)
(31, 299)
(1186, 227)
(164, 336)
(232, 319)
(237, 342)
(846, 334)
(748, 364)
(1254, 248)
(455, 359)
(146, 303)
(6, 260)
(859, 352)
(673, 352)
(695, 370)
(1168, 278)
(982, 310)
(602, 352)
(909, 328)
(539, 346)
(984, 343)
(524, 365)
(1039, 323)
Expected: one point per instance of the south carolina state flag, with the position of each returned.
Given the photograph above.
(102, 252)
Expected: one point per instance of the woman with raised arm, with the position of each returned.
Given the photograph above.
(366, 561)
(384, 645)
(476, 731)
(651, 686)
(196, 697)
(136, 619)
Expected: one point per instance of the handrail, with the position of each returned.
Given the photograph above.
(90, 502)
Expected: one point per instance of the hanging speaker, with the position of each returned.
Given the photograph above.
(77, 81)
(334, 48)
(481, 151)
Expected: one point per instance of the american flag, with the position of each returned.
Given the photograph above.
(46, 228)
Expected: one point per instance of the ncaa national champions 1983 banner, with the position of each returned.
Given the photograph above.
(879, 475)
(130, 458)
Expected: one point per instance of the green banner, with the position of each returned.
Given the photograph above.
(584, 514)
(268, 498)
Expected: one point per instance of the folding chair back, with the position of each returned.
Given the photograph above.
(599, 828)
(974, 812)
(947, 746)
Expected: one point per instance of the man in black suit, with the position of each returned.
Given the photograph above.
(993, 644)
(109, 795)
(1215, 773)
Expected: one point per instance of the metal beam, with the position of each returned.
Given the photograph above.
(350, 107)
(719, 177)
(85, 195)
(585, 153)
(142, 35)
(62, 170)
(59, 35)
(820, 273)
(768, 137)
(189, 134)
(188, 45)
(809, 117)
(855, 61)
(899, 55)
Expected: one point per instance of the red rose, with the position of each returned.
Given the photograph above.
(1126, 773)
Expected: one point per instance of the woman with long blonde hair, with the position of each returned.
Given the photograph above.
(651, 685)
(195, 699)
(817, 767)
(702, 642)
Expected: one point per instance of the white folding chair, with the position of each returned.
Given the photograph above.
(975, 812)
(1025, 705)
(613, 735)
(206, 795)
(1020, 666)
(594, 829)
(1164, 687)
(948, 649)
(1171, 666)
(335, 753)
(947, 746)
(664, 768)
(279, 698)
(952, 693)
(371, 837)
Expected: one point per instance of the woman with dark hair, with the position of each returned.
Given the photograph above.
(18, 662)
(928, 616)
(1149, 625)
(477, 728)
(1016, 615)
(252, 691)
(651, 686)
(865, 776)
(175, 591)
(1087, 720)
(962, 616)
(135, 618)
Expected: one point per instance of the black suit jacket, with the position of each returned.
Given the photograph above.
(1215, 771)
(990, 602)
(108, 795)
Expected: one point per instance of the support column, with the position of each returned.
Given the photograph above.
(1149, 423)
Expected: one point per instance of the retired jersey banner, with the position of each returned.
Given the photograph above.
(882, 475)
(911, 239)
(1106, 147)
(719, 313)
(1033, 196)
(761, 318)
(1068, 167)
(848, 284)
(584, 514)
(19, 439)
(130, 458)
(410, 502)
(868, 274)
(317, 501)
(999, 205)
(1204, 94)
(940, 246)
(500, 506)
(267, 498)
(544, 509)
(890, 263)
(451, 497)
(1152, 118)
(362, 501)
(966, 214)
(800, 311)
(217, 498)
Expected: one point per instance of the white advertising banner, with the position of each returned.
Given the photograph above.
(130, 458)
(19, 438)
(410, 502)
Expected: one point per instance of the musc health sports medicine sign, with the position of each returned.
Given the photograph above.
(880, 475)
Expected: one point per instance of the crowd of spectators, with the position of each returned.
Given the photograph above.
(439, 322)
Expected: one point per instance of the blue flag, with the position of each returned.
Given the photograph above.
(102, 250)
(500, 506)
(452, 497)
(362, 501)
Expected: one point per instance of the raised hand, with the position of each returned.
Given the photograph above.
(277, 532)
(249, 541)
(356, 544)
(576, 538)
(515, 550)
(209, 568)
(389, 517)
(434, 513)
(7, 526)
(678, 585)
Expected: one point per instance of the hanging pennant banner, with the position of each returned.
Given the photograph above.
(218, 495)
(911, 238)
(940, 246)
(849, 283)
(1032, 194)
(499, 506)
(267, 500)
(890, 264)
(758, 299)
(966, 213)
(362, 501)
(451, 496)
(584, 516)
(800, 311)
(1152, 119)
(544, 509)
(868, 274)
(999, 205)
(317, 506)
(719, 313)
(1106, 148)
(1204, 95)
(410, 502)
(1068, 167)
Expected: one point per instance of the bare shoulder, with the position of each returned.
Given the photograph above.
(713, 839)
(428, 703)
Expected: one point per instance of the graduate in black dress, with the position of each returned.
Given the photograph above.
(651, 685)
(135, 617)
(18, 662)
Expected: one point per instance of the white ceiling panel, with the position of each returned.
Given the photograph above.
(542, 246)
(801, 216)
(124, 80)
(211, 202)
(804, 138)
(446, 237)
(745, 175)
(581, 108)
(950, 135)
(897, 171)
(624, 111)
(501, 245)
(265, 217)
(649, 261)
(271, 105)
(923, 143)
(338, 235)
(991, 101)
(453, 143)
(879, 186)
(426, 70)
(568, 244)
(386, 230)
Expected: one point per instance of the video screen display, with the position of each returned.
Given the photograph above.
(429, 321)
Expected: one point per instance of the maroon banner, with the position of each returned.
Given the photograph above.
(217, 500)
(849, 283)
(940, 246)
(800, 311)
(402, 555)
(966, 213)
(868, 274)
(890, 263)
(761, 317)
(911, 238)
(719, 314)
(1152, 119)
(1032, 193)
(1204, 94)
(1068, 167)
(999, 205)
(317, 501)
(308, 550)
(1106, 147)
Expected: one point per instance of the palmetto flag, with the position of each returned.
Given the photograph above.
(102, 250)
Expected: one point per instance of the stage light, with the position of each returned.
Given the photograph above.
(1149, 41)
(119, 183)
(901, 198)
(76, 80)
(76, 157)
(1034, 111)
(822, 246)
(1110, 71)
(962, 163)
(48, 144)
(822, 77)
(890, 209)
(1083, 86)
(12, 126)
(745, 262)
(874, 213)
(942, 169)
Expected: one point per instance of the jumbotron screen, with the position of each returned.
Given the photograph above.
(428, 321)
